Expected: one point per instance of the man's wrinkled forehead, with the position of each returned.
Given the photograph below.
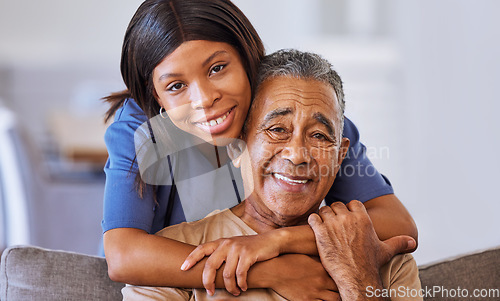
(283, 96)
(287, 111)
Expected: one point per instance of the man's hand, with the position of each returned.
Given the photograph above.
(350, 249)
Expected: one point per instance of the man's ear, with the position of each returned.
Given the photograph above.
(235, 150)
(344, 147)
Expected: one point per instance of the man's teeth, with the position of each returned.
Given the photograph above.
(283, 178)
(216, 121)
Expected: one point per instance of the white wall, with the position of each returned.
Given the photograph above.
(452, 70)
(55, 31)
(421, 84)
(54, 53)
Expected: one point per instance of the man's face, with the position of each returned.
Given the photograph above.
(294, 148)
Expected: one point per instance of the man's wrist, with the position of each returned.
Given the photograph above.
(358, 288)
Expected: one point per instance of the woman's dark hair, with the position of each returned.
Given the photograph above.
(160, 26)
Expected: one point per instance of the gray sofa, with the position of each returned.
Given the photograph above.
(32, 273)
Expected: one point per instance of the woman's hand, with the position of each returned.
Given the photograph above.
(238, 253)
(300, 277)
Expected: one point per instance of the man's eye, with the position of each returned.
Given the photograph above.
(320, 136)
(217, 69)
(175, 87)
(277, 130)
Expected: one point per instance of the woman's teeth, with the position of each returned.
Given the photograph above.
(283, 178)
(216, 121)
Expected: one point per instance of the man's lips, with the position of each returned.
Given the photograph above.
(290, 179)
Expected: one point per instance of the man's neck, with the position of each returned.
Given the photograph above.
(261, 222)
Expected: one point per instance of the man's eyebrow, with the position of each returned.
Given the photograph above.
(205, 62)
(276, 113)
(326, 122)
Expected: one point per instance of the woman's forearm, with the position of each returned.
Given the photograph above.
(390, 218)
(138, 258)
(296, 240)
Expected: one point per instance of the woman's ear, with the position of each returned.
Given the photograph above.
(235, 151)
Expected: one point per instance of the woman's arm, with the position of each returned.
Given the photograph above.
(389, 217)
(139, 258)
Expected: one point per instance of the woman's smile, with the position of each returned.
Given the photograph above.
(218, 123)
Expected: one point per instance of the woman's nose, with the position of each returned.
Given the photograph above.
(203, 94)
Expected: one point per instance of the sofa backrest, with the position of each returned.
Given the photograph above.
(32, 273)
(476, 273)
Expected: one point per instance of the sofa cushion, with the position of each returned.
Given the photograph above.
(32, 273)
(480, 270)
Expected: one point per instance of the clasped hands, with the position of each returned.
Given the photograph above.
(348, 247)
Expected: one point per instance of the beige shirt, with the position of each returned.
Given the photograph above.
(401, 271)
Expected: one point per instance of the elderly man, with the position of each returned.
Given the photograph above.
(293, 151)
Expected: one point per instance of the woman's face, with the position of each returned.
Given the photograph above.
(205, 90)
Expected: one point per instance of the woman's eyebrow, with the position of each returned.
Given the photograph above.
(166, 75)
(207, 61)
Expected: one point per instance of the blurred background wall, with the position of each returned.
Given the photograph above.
(420, 77)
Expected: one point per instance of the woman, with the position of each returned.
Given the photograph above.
(194, 62)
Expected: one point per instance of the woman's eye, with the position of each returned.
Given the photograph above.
(217, 69)
(175, 87)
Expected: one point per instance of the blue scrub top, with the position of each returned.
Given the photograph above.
(123, 208)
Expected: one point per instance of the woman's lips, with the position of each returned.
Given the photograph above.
(218, 124)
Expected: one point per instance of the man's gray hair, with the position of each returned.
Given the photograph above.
(302, 65)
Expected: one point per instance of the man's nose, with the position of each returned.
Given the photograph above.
(203, 94)
(296, 151)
